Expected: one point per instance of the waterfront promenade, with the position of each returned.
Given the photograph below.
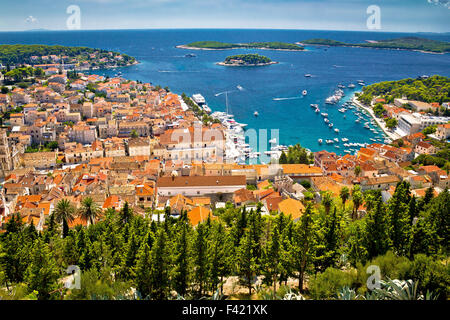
(380, 123)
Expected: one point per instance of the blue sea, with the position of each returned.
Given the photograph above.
(163, 64)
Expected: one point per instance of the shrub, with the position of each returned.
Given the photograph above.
(328, 283)
(432, 275)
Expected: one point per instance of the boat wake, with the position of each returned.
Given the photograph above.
(290, 98)
(176, 71)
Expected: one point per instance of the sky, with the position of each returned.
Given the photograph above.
(351, 15)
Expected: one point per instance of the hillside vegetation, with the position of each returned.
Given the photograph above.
(406, 43)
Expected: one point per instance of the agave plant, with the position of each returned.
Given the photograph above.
(215, 296)
(293, 296)
(400, 290)
(347, 293)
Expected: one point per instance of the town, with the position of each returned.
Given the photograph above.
(70, 138)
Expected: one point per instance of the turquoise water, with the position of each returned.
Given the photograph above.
(162, 63)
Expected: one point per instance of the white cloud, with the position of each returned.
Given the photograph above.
(445, 3)
(31, 19)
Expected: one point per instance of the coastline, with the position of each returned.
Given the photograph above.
(245, 65)
(185, 47)
(392, 135)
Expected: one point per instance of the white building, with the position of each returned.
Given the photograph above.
(413, 123)
(199, 185)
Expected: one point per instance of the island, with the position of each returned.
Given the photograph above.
(246, 60)
(405, 43)
(216, 45)
(62, 57)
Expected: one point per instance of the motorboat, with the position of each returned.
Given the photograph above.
(304, 92)
(256, 113)
(336, 130)
(320, 141)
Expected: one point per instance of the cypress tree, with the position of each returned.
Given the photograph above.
(200, 258)
(271, 259)
(182, 261)
(42, 273)
(399, 219)
(302, 245)
(220, 256)
(246, 262)
(159, 272)
(142, 271)
(376, 237)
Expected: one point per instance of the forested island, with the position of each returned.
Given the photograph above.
(216, 45)
(246, 60)
(405, 43)
(78, 57)
(432, 89)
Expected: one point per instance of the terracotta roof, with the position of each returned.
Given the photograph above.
(199, 214)
(201, 181)
(300, 169)
(291, 207)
